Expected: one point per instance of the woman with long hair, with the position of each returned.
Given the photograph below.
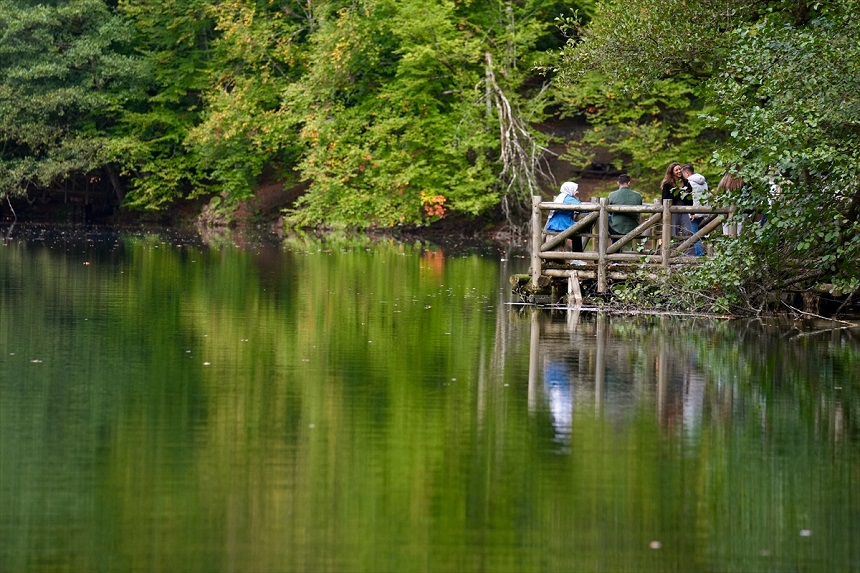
(675, 188)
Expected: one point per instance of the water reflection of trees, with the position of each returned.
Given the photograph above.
(691, 372)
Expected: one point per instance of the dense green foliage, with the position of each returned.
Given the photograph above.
(402, 132)
(789, 94)
(780, 81)
(383, 112)
(641, 128)
(174, 39)
(637, 72)
(67, 79)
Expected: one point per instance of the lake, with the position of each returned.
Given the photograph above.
(179, 403)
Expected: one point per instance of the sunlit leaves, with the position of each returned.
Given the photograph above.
(395, 109)
(646, 40)
(381, 100)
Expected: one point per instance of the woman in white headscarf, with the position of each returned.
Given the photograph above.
(560, 220)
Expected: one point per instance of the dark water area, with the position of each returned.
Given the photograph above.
(185, 402)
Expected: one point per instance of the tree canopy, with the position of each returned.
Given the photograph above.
(382, 112)
(778, 82)
(67, 78)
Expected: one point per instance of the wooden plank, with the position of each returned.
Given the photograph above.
(592, 275)
(699, 235)
(559, 238)
(635, 233)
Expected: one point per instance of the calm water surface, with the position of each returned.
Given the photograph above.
(185, 405)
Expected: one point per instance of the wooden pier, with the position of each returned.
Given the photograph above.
(555, 271)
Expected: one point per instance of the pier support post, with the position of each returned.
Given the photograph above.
(574, 294)
(666, 247)
(602, 243)
(536, 240)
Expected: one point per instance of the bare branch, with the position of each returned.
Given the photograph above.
(523, 161)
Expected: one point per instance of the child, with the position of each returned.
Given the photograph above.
(700, 198)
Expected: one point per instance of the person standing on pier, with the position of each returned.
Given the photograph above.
(699, 186)
(623, 223)
(560, 220)
(678, 190)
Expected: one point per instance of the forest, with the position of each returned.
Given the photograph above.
(362, 114)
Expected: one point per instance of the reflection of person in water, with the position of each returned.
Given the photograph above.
(681, 392)
(694, 400)
(556, 380)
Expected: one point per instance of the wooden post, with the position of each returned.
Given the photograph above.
(667, 233)
(732, 228)
(574, 294)
(655, 240)
(536, 233)
(602, 242)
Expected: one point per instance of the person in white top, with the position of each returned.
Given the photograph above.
(700, 198)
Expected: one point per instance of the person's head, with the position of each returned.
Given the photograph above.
(570, 188)
(673, 172)
(623, 180)
(730, 182)
(687, 170)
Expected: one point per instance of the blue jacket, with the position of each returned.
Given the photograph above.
(561, 220)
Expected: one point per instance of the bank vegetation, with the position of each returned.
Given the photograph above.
(389, 114)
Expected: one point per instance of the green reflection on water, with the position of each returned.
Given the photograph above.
(176, 406)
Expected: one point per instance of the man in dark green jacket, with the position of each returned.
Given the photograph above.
(623, 223)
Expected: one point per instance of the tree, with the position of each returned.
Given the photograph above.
(780, 81)
(641, 128)
(636, 72)
(390, 122)
(789, 95)
(387, 112)
(258, 51)
(173, 39)
(67, 75)
(415, 108)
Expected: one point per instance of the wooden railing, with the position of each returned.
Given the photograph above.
(652, 240)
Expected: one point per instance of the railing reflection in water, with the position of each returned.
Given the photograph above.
(578, 363)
